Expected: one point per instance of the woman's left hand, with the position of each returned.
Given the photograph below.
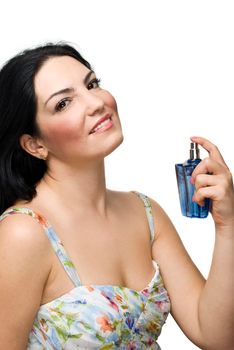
(213, 179)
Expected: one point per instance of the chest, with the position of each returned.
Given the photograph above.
(114, 254)
(100, 249)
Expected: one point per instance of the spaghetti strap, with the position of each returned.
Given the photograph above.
(56, 243)
(148, 208)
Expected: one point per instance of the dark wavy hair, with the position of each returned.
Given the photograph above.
(19, 171)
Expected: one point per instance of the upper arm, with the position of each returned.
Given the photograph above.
(181, 277)
(24, 268)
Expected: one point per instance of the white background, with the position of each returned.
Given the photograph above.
(170, 65)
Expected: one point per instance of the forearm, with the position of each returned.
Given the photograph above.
(216, 304)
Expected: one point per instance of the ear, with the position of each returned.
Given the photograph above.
(33, 146)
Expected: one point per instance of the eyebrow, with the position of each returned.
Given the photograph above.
(69, 89)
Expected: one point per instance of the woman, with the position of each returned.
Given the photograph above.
(103, 288)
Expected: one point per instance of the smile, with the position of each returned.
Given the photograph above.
(102, 126)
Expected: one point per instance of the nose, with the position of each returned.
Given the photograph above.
(94, 104)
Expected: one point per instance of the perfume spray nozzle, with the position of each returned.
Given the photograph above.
(194, 148)
(191, 152)
(197, 151)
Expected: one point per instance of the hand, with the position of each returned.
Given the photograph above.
(212, 179)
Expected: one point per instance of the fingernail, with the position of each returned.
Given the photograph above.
(192, 181)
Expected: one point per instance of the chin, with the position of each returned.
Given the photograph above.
(115, 144)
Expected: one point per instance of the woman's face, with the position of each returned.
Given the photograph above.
(77, 119)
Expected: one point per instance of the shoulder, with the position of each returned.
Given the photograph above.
(136, 204)
(131, 201)
(161, 222)
(135, 200)
(22, 222)
(25, 265)
(21, 236)
(161, 218)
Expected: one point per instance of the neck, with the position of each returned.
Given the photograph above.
(77, 188)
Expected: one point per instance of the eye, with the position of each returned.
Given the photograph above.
(94, 84)
(61, 104)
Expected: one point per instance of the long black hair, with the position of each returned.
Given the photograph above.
(19, 171)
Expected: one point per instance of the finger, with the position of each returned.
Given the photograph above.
(211, 192)
(208, 165)
(204, 180)
(210, 147)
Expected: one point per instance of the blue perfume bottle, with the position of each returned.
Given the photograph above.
(186, 189)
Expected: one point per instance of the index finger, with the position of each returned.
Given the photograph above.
(211, 149)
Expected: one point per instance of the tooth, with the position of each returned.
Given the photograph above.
(101, 125)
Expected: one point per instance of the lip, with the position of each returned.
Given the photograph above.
(107, 116)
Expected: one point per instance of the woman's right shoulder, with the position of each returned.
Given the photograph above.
(20, 220)
(25, 264)
(20, 231)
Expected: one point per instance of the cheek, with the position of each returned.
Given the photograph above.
(110, 101)
(60, 133)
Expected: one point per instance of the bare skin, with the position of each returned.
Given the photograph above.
(98, 226)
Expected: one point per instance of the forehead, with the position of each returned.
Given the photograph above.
(58, 73)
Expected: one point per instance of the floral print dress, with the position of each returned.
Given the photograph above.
(99, 316)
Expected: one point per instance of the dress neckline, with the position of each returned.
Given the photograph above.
(98, 287)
